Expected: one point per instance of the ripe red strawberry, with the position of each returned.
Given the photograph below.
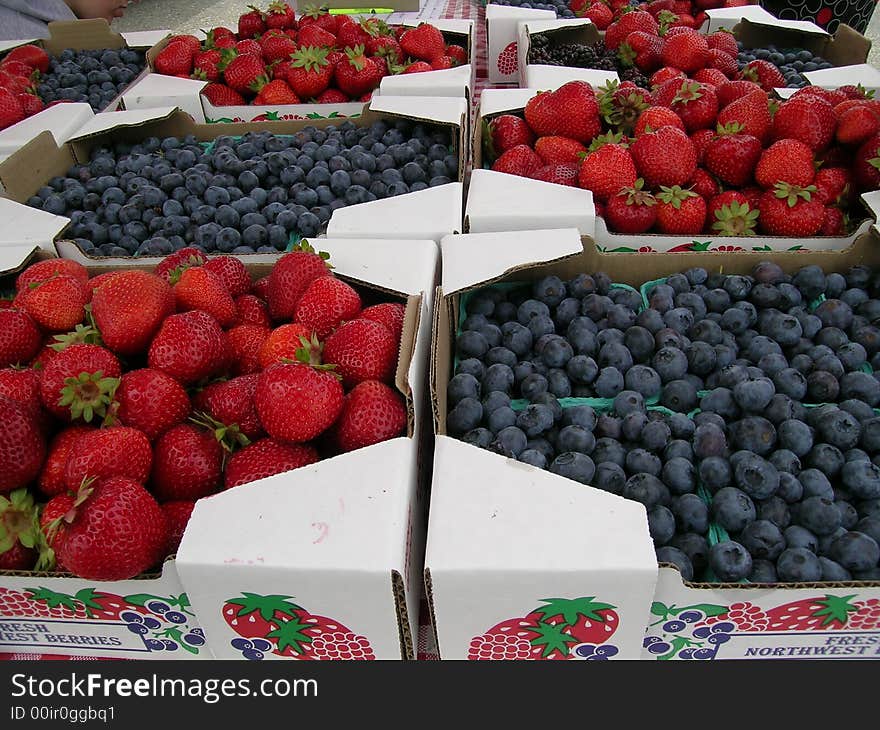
(385, 48)
(352, 35)
(177, 516)
(17, 68)
(129, 309)
(297, 402)
(559, 174)
(357, 74)
(417, 67)
(201, 288)
(372, 412)
(667, 73)
(176, 59)
(325, 304)
(571, 111)
(444, 62)
(632, 210)
(423, 42)
(703, 184)
(31, 55)
(222, 95)
(151, 401)
(729, 214)
(732, 156)
(283, 343)
(559, 150)
(764, 73)
(20, 535)
(219, 38)
(251, 24)
(697, 106)
(291, 276)
(711, 77)
(788, 210)
(655, 117)
(506, 132)
(733, 90)
(688, 51)
(206, 65)
(277, 48)
(665, 157)
(108, 452)
(310, 72)
(520, 160)
(621, 105)
(279, 15)
(231, 404)
(606, 170)
(10, 108)
(833, 222)
(787, 160)
(171, 267)
(50, 516)
(834, 185)
(637, 20)
(245, 344)
(57, 304)
(723, 62)
(20, 338)
(245, 73)
(642, 50)
(810, 119)
(362, 350)
(49, 268)
(232, 273)
(680, 211)
(832, 96)
(391, 314)
(857, 124)
(313, 35)
(31, 104)
(458, 53)
(187, 464)
(118, 531)
(189, 347)
(22, 446)
(265, 458)
(866, 164)
(599, 13)
(701, 139)
(332, 96)
(79, 382)
(250, 309)
(752, 112)
(22, 386)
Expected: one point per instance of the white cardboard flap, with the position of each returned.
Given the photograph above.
(434, 108)
(446, 82)
(494, 101)
(109, 120)
(9, 45)
(13, 255)
(729, 17)
(872, 200)
(160, 85)
(62, 120)
(552, 77)
(446, 25)
(474, 258)
(23, 224)
(425, 214)
(832, 78)
(144, 38)
(498, 12)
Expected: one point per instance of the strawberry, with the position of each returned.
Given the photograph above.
(20, 536)
(642, 50)
(222, 95)
(245, 344)
(362, 350)
(632, 210)
(332, 96)
(391, 314)
(833, 222)
(357, 74)
(665, 157)
(352, 35)
(866, 164)
(249, 46)
(418, 67)
(116, 532)
(372, 412)
(444, 62)
(107, 452)
(655, 117)
(30, 55)
(618, 31)
(171, 267)
(277, 48)
(458, 53)
(506, 132)
(129, 309)
(688, 51)
(265, 458)
(291, 276)
(283, 343)
(22, 386)
(520, 160)
(10, 108)
(832, 96)
(177, 516)
(187, 464)
(680, 211)
(599, 13)
(697, 106)
(729, 214)
(703, 184)
(622, 104)
(219, 37)
(312, 35)
(245, 73)
(200, 288)
(231, 404)
(424, 43)
(79, 382)
(48, 269)
(764, 73)
(57, 304)
(319, 17)
(251, 24)
(788, 210)
(232, 273)
(206, 65)
(151, 401)
(189, 347)
(834, 185)
(20, 338)
(31, 104)
(250, 309)
(559, 150)
(752, 112)
(711, 77)
(857, 124)
(808, 118)
(17, 68)
(50, 517)
(701, 139)
(385, 48)
(22, 446)
(571, 111)
(732, 156)
(325, 304)
(606, 170)
(310, 72)
(667, 73)
(279, 15)
(787, 160)
(732, 90)
(297, 402)
(723, 62)
(559, 174)
(176, 59)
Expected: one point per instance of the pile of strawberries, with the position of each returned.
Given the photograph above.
(319, 58)
(127, 396)
(686, 13)
(18, 97)
(691, 157)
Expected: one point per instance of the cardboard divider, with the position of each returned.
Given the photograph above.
(846, 47)
(501, 39)
(578, 30)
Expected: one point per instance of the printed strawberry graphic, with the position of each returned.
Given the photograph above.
(813, 614)
(564, 628)
(507, 60)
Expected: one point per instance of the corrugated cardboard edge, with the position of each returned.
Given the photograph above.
(432, 615)
(407, 647)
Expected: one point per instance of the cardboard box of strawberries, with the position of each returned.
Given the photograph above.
(129, 392)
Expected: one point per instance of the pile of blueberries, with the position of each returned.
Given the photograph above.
(739, 409)
(92, 77)
(254, 193)
(791, 62)
(560, 7)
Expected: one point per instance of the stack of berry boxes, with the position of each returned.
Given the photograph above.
(313, 525)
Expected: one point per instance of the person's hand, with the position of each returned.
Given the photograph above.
(107, 9)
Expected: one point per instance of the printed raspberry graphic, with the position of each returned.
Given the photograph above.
(495, 647)
(341, 645)
(507, 61)
(747, 617)
(867, 615)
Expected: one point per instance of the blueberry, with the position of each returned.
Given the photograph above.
(798, 565)
(730, 561)
(473, 366)
(661, 524)
(647, 489)
(609, 382)
(827, 458)
(815, 484)
(785, 461)
(641, 461)
(775, 510)
(655, 435)
(763, 571)
(795, 436)
(574, 466)
(609, 477)
(733, 509)
(832, 571)
(763, 539)
(755, 476)
(715, 473)
(575, 438)
(818, 515)
(462, 386)
(582, 370)
(709, 440)
(466, 415)
(861, 386)
(608, 449)
(678, 448)
(862, 479)
(678, 558)
(695, 546)
(679, 395)
(691, 513)
(670, 363)
(644, 380)
(535, 419)
(509, 442)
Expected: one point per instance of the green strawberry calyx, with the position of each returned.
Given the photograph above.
(604, 139)
(636, 195)
(688, 91)
(665, 19)
(729, 128)
(626, 54)
(735, 219)
(305, 247)
(18, 520)
(675, 195)
(81, 335)
(310, 58)
(229, 436)
(88, 395)
(792, 194)
(356, 57)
